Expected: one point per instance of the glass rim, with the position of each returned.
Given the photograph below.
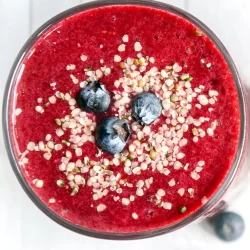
(134, 235)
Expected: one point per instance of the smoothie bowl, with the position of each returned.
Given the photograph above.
(124, 119)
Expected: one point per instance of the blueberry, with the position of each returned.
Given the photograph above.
(229, 226)
(112, 134)
(146, 107)
(94, 98)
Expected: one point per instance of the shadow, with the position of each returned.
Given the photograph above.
(207, 226)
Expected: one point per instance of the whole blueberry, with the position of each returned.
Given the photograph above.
(229, 226)
(94, 98)
(112, 134)
(146, 107)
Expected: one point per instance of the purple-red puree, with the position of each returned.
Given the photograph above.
(169, 168)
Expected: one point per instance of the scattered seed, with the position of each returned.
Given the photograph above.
(70, 67)
(47, 156)
(208, 65)
(121, 47)
(50, 145)
(177, 165)
(152, 154)
(195, 139)
(84, 58)
(161, 192)
(117, 58)
(191, 192)
(39, 109)
(52, 200)
(52, 99)
(18, 111)
(195, 176)
(59, 132)
(74, 79)
(78, 151)
(204, 200)
(125, 201)
(171, 183)
(60, 183)
(135, 216)
(201, 163)
(58, 122)
(167, 205)
(139, 192)
(137, 46)
(210, 132)
(31, 146)
(41, 145)
(39, 183)
(183, 209)
(151, 59)
(181, 191)
(74, 191)
(101, 207)
(125, 38)
(48, 137)
(198, 33)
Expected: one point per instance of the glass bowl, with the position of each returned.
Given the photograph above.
(232, 180)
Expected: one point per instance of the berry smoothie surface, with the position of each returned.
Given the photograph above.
(168, 168)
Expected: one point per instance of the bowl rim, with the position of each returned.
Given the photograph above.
(134, 235)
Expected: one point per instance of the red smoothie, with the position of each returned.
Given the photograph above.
(169, 168)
